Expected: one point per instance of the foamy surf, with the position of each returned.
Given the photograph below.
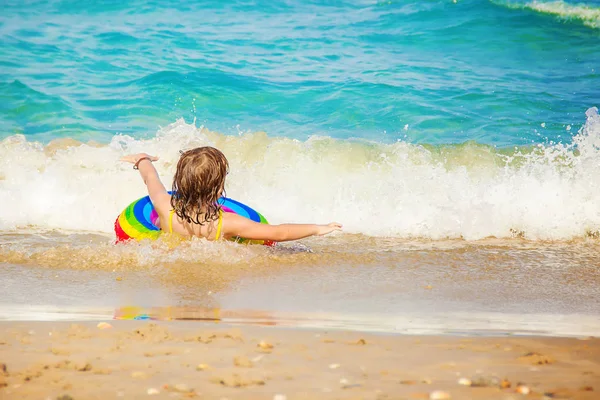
(400, 190)
(589, 15)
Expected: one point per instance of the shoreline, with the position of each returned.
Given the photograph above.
(459, 324)
(190, 359)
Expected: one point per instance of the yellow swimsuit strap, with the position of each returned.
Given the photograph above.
(171, 220)
(219, 225)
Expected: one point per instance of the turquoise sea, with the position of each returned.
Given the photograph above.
(495, 72)
(458, 141)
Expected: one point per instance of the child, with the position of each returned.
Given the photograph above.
(199, 182)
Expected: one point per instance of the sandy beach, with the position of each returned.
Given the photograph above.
(190, 359)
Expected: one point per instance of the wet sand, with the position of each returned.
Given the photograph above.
(346, 281)
(190, 359)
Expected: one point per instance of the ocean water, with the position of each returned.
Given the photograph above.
(445, 135)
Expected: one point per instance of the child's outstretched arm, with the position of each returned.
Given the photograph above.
(158, 194)
(237, 225)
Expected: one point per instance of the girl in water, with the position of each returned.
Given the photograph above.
(199, 182)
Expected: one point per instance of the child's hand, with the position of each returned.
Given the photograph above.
(133, 158)
(325, 229)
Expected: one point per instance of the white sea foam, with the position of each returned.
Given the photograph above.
(400, 190)
(589, 15)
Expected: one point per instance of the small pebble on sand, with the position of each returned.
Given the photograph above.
(152, 391)
(265, 345)
(505, 384)
(201, 367)
(104, 325)
(439, 395)
(464, 382)
(334, 366)
(280, 397)
(485, 381)
(523, 389)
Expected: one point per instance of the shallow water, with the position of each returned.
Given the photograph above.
(498, 72)
(346, 281)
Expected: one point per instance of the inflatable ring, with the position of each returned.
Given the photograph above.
(138, 220)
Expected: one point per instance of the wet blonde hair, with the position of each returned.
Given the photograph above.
(198, 184)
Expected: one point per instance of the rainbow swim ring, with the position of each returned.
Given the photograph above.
(138, 220)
